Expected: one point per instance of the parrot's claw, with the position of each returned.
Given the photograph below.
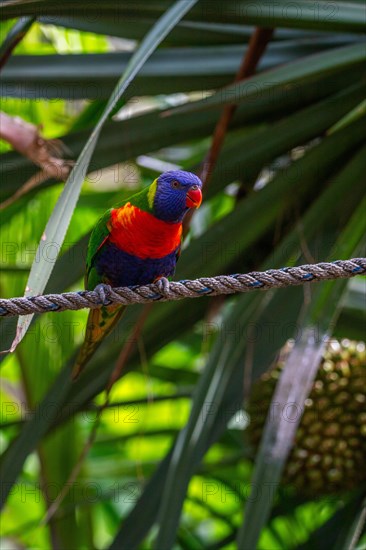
(162, 284)
(103, 292)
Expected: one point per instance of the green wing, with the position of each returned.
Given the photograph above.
(98, 237)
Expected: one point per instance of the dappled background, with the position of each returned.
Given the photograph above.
(284, 186)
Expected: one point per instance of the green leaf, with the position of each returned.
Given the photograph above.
(354, 114)
(334, 531)
(348, 538)
(305, 69)
(14, 36)
(246, 154)
(184, 34)
(170, 70)
(338, 15)
(58, 223)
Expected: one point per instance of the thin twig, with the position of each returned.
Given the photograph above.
(257, 45)
(33, 182)
(26, 139)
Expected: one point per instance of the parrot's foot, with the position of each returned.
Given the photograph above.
(162, 284)
(103, 292)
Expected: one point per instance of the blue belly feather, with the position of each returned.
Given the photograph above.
(119, 268)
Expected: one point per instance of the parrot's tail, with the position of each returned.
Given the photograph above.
(100, 323)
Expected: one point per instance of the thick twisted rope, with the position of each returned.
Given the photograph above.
(163, 290)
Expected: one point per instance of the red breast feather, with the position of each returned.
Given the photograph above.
(142, 234)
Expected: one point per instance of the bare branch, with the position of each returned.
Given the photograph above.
(47, 154)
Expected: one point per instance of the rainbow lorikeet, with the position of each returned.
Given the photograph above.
(136, 243)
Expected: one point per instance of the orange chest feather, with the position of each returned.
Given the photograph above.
(141, 234)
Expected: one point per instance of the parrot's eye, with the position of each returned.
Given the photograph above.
(175, 184)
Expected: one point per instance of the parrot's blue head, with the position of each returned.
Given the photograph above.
(175, 193)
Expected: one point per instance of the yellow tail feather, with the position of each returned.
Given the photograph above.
(100, 323)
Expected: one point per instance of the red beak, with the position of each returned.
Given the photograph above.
(194, 198)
